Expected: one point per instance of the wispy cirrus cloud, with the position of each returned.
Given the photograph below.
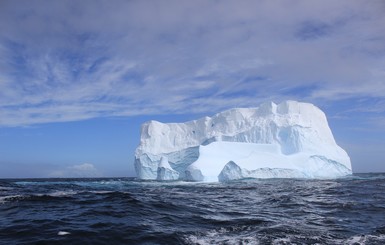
(71, 60)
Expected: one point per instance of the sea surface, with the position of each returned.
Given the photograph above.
(350, 210)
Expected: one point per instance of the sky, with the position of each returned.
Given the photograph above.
(78, 78)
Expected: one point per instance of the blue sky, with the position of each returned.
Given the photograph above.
(77, 78)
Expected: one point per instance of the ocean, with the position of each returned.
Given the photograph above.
(350, 210)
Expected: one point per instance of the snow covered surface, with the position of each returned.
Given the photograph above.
(288, 140)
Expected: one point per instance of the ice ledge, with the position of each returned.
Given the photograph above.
(232, 171)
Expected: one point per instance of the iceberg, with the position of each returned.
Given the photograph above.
(287, 140)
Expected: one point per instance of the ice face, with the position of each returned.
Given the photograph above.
(165, 172)
(290, 140)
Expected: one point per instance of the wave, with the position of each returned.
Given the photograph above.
(233, 236)
(125, 211)
(38, 197)
(10, 198)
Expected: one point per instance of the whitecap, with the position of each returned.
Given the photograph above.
(365, 239)
(5, 199)
(221, 236)
(62, 193)
(102, 192)
(63, 233)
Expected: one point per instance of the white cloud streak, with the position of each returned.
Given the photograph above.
(74, 60)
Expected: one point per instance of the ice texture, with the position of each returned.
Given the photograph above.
(165, 172)
(288, 140)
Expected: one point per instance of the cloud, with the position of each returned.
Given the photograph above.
(71, 60)
(84, 170)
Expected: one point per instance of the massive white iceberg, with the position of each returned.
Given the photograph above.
(288, 140)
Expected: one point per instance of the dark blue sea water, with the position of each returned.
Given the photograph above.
(128, 211)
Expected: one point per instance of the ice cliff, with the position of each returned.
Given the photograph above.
(288, 140)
